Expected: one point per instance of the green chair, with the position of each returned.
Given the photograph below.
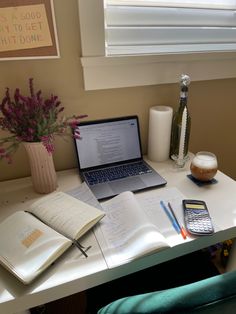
(212, 295)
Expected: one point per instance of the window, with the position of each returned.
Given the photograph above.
(139, 26)
(143, 42)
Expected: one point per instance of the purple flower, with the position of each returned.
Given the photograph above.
(2, 151)
(77, 135)
(73, 124)
(33, 119)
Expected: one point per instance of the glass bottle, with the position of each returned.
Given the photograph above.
(181, 125)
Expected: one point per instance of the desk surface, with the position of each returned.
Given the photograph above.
(73, 273)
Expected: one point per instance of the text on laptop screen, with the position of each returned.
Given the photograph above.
(108, 142)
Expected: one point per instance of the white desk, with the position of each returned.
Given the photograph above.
(74, 273)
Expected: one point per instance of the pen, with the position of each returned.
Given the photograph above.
(181, 228)
(174, 224)
(82, 249)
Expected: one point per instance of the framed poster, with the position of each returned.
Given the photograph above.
(27, 30)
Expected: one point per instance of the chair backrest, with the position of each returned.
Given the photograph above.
(212, 295)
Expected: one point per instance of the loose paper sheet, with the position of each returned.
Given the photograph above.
(134, 225)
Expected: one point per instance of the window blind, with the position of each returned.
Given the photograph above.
(160, 26)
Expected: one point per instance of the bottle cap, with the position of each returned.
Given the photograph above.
(185, 80)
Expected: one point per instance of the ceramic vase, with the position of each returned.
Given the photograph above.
(43, 174)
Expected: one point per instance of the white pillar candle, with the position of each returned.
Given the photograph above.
(160, 121)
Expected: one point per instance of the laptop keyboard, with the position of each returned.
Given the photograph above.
(118, 172)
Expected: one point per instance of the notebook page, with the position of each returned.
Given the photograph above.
(66, 214)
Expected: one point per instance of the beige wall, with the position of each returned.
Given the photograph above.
(212, 103)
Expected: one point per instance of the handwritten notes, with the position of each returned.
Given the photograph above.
(24, 27)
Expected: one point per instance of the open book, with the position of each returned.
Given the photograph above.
(31, 240)
(135, 225)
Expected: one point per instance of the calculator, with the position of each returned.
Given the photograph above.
(197, 217)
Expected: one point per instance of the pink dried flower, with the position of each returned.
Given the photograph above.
(77, 134)
(48, 142)
(33, 119)
(73, 124)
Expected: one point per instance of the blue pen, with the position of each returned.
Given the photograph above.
(174, 224)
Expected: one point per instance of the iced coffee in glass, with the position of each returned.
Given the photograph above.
(204, 166)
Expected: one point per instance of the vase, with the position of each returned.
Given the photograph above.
(43, 174)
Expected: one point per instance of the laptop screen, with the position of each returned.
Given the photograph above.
(105, 142)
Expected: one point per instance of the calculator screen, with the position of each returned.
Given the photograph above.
(195, 206)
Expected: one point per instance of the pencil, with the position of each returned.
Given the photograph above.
(182, 230)
(170, 216)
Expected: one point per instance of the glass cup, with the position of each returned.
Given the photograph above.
(204, 166)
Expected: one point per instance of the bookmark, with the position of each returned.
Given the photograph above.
(82, 249)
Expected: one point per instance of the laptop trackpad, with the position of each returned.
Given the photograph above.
(128, 184)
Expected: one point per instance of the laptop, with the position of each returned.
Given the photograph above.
(110, 157)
